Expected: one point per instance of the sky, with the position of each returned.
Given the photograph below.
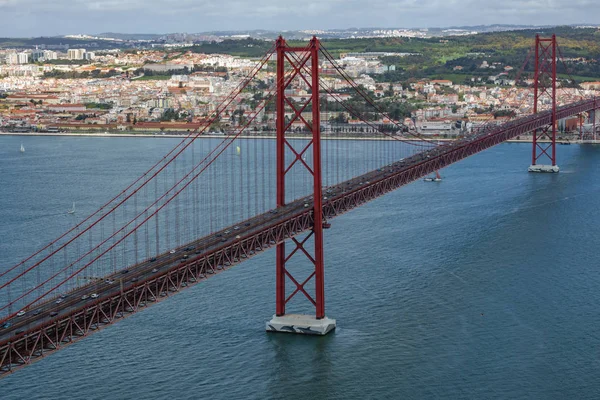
(29, 18)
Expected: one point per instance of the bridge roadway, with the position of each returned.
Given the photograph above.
(50, 326)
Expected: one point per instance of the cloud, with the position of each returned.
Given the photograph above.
(44, 17)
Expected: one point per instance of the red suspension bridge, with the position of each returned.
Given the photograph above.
(210, 204)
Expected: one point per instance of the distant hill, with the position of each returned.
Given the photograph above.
(343, 33)
(453, 57)
(129, 36)
(348, 33)
(54, 41)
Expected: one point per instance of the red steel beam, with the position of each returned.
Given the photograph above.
(286, 56)
(545, 85)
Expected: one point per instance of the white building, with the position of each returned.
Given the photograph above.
(23, 58)
(202, 84)
(76, 54)
(50, 55)
(12, 58)
(17, 58)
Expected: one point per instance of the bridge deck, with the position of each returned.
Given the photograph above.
(38, 333)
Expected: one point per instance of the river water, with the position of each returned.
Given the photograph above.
(483, 286)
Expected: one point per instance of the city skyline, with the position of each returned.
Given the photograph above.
(29, 18)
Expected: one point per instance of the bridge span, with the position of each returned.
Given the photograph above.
(52, 325)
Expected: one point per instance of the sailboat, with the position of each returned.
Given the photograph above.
(22, 150)
(437, 178)
(72, 210)
(238, 150)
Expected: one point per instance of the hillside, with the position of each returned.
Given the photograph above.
(438, 57)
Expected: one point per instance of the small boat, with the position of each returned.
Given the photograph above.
(238, 150)
(22, 149)
(437, 178)
(72, 210)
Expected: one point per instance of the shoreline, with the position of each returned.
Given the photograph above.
(171, 136)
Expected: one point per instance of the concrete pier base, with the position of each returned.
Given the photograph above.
(543, 168)
(303, 324)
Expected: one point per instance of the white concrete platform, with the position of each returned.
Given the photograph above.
(543, 168)
(303, 324)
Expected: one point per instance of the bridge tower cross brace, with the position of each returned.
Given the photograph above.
(304, 65)
(544, 87)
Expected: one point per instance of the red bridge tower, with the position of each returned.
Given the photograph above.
(303, 63)
(544, 88)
